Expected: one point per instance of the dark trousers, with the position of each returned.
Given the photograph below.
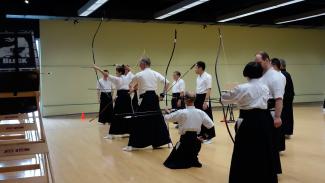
(254, 156)
(149, 129)
(279, 134)
(185, 153)
(175, 99)
(287, 116)
(119, 124)
(135, 102)
(105, 108)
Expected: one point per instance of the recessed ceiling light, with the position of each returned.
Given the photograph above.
(177, 8)
(258, 9)
(90, 7)
(304, 16)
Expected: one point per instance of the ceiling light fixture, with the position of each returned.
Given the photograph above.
(258, 9)
(90, 7)
(300, 17)
(177, 8)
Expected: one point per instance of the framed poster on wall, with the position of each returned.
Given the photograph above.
(18, 52)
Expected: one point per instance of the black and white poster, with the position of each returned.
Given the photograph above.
(17, 50)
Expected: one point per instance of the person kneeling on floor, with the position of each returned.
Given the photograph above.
(185, 153)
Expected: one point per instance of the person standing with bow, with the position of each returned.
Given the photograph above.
(289, 95)
(202, 101)
(119, 125)
(150, 128)
(273, 80)
(104, 93)
(252, 158)
(178, 92)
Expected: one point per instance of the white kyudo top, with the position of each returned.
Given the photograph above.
(104, 85)
(284, 79)
(129, 76)
(190, 119)
(147, 80)
(203, 83)
(251, 95)
(178, 86)
(121, 83)
(275, 82)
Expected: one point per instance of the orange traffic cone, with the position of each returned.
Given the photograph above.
(83, 117)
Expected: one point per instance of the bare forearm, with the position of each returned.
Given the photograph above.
(278, 108)
(100, 70)
(132, 86)
(207, 96)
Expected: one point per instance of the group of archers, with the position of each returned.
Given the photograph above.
(265, 119)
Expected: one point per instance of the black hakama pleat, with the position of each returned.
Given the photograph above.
(149, 128)
(205, 132)
(135, 101)
(105, 108)
(253, 158)
(287, 111)
(119, 124)
(176, 97)
(287, 116)
(185, 153)
(279, 136)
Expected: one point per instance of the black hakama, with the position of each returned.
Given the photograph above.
(149, 128)
(185, 153)
(287, 111)
(278, 138)
(199, 101)
(176, 97)
(287, 116)
(105, 108)
(253, 158)
(278, 132)
(135, 101)
(119, 124)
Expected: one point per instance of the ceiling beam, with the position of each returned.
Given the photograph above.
(257, 9)
(300, 17)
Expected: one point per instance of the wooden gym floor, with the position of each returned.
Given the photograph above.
(80, 154)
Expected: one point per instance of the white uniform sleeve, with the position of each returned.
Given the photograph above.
(175, 116)
(111, 85)
(130, 76)
(278, 88)
(115, 80)
(233, 96)
(161, 78)
(206, 121)
(182, 86)
(209, 81)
